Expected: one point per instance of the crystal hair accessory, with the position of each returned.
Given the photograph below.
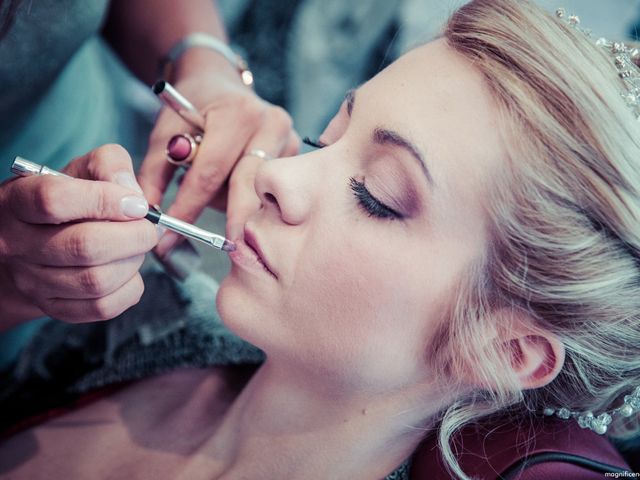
(601, 422)
(624, 58)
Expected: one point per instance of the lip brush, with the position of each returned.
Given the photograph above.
(25, 168)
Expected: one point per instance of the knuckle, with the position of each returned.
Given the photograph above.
(96, 157)
(280, 119)
(100, 203)
(105, 158)
(94, 281)
(49, 199)
(208, 178)
(105, 308)
(105, 153)
(85, 247)
(138, 289)
(24, 284)
(108, 307)
(145, 237)
(78, 248)
(251, 110)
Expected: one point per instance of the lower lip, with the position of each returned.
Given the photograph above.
(245, 257)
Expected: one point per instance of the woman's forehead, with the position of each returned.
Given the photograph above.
(435, 97)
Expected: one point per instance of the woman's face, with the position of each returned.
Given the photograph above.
(365, 237)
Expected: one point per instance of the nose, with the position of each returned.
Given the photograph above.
(285, 187)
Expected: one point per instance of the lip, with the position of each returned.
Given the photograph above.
(252, 242)
(249, 256)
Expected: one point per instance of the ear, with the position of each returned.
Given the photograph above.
(535, 355)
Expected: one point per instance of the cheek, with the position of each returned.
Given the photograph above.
(359, 301)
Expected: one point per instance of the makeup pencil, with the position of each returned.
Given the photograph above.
(176, 101)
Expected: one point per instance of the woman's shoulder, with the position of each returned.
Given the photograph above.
(533, 449)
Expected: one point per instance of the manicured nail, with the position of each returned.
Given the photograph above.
(134, 207)
(127, 180)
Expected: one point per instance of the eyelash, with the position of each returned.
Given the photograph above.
(370, 204)
(313, 143)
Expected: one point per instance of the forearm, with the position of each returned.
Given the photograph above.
(143, 31)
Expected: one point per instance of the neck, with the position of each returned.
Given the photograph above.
(282, 426)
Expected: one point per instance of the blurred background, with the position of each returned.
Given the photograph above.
(305, 54)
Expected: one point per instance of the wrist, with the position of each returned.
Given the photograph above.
(203, 61)
(200, 51)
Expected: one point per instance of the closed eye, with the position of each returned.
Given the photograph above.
(370, 204)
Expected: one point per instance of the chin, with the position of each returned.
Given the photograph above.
(241, 313)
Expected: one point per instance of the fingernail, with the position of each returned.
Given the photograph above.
(134, 207)
(166, 243)
(127, 180)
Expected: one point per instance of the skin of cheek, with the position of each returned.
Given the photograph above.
(359, 313)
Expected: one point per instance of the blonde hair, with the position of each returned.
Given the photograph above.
(564, 220)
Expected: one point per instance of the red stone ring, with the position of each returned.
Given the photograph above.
(182, 149)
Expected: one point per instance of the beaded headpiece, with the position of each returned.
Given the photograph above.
(599, 423)
(624, 59)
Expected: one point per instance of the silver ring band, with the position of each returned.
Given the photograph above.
(258, 152)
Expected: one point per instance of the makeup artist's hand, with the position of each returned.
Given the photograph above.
(237, 120)
(71, 248)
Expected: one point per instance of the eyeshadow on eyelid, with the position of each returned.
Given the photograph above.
(393, 188)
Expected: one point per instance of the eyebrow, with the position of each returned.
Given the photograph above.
(383, 136)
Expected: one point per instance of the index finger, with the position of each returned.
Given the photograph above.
(110, 163)
(56, 200)
(222, 144)
(155, 172)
